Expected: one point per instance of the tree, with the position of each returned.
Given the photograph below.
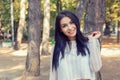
(5, 14)
(112, 10)
(21, 24)
(94, 16)
(59, 6)
(0, 21)
(80, 9)
(46, 28)
(118, 32)
(33, 55)
(113, 14)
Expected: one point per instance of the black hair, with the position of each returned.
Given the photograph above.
(61, 40)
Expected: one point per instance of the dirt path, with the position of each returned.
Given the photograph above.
(12, 63)
(111, 64)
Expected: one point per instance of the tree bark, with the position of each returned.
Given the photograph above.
(21, 26)
(95, 15)
(118, 33)
(0, 21)
(33, 55)
(80, 9)
(46, 28)
(59, 6)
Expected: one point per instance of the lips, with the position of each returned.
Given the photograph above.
(71, 32)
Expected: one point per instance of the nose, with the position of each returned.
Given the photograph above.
(69, 26)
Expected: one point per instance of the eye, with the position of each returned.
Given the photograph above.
(71, 22)
(63, 25)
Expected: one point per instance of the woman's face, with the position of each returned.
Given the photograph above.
(68, 28)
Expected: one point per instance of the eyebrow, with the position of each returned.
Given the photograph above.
(64, 24)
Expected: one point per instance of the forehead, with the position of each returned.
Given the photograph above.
(65, 20)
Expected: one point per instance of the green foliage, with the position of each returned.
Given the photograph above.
(112, 10)
(5, 12)
(53, 5)
(69, 4)
(52, 41)
(8, 40)
(16, 10)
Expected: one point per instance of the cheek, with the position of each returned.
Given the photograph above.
(64, 31)
(75, 28)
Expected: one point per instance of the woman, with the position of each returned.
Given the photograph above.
(70, 57)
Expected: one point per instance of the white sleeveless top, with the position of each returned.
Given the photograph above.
(73, 67)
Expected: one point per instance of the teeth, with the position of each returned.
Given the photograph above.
(70, 32)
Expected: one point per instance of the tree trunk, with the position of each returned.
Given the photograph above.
(80, 8)
(95, 16)
(0, 21)
(21, 25)
(59, 6)
(94, 19)
(46, 28)
(33, 55)
(118, 32)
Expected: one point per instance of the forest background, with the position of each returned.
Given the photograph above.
(32, 22)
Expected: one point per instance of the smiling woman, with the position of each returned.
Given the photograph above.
(71, 55)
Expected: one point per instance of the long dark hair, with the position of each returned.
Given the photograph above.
(61, 40)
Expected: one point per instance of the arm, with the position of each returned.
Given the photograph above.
(94, 48)
(95, 54)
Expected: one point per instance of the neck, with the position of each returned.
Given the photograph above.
(72, 39)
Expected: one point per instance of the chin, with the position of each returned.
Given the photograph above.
(72, 37)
